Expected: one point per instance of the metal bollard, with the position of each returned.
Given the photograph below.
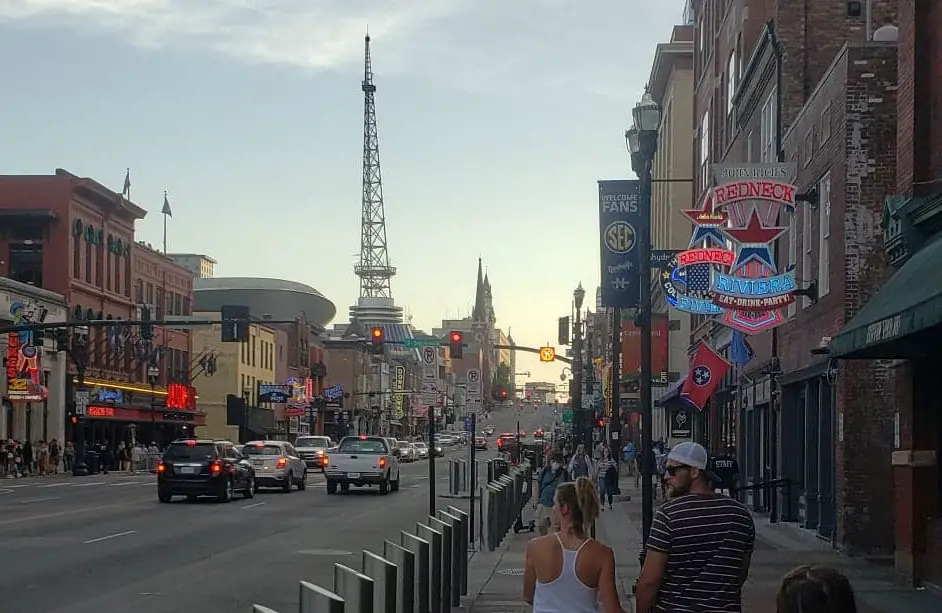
(383, 573)
(465, 519)
(405, 575)
(488, 507)
(315, 599)
(422, 550)
(434, 538)
(458, 553)
(260, 609)
(448, 561)
(355, 588)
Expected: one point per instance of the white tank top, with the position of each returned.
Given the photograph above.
(566, 593)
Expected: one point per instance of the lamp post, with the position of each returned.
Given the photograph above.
(582, 429)
(642, 144)
(152, 374)
(79, 353)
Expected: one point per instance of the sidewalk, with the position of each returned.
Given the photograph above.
(495, 579)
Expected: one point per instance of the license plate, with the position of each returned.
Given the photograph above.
(353, 475)
(258, 462)
(188, 470)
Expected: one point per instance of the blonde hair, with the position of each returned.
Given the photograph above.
(582, 498)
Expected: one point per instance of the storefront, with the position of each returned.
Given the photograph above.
(128, 412)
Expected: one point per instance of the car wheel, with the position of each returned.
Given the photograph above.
(384, 487)
(250, 488)
(345, 488)
(395, 484)
(302, 484)
(331, 487)
(226, 494)
(286, 488)
(164, 496)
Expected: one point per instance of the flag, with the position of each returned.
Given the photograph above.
(740, 352)
(166, 208)
(707, 369)
(698, 278)
(126, 192)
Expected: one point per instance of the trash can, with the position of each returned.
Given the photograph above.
(92, 462)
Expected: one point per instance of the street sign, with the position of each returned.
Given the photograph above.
(474, 382)
(418, 343)
(469, 425)
(430, 363)
(429, 394)
(567, 416)
(547, 354)
(81, 403)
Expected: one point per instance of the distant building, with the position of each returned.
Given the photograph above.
(203, 266)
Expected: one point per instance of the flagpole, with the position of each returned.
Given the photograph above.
(165, 234)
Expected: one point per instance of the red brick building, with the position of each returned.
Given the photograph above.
(74, 236)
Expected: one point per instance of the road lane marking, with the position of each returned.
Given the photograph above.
(125, 483)
(16, 487)
(32, 500)
(87, 484)
(109, 537)
(55, 485)
(108, 507)
(252, 506)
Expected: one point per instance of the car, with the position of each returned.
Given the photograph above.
(204, 467)
(276, 464)
(311, 448)
(538, 434)
(362, 460)
(421, 450)
(489, 430)
(480, 442)
(406, 451)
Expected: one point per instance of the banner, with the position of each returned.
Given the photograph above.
(707, 369)
(619, 221)
(399, 386)
(631, 349)
(23, 368)
(681, 422)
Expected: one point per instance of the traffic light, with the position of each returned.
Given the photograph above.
(564, 330)
(235, 323)
(456, 341)
(503, 394)
(377, 336)
(600, 423)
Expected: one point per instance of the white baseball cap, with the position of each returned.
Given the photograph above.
(693, 455)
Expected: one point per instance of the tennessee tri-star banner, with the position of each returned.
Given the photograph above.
(707, 369)
(619, 218)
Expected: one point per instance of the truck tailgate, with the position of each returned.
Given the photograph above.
(355, 462)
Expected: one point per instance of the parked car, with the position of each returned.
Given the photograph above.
(276, 464)
(203, 467)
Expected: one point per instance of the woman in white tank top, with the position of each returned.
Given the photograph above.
(567, 572)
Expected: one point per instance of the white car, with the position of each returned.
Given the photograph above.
(363, 460)
(276, 464)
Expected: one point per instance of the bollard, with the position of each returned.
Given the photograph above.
(260, 609)
(315, 599)
(405, 575)
(458, 553)
(355, 588)
(452, 477)
(448, 560)
(434, 538)
(465, 519)
(422, 550)
(383, 573)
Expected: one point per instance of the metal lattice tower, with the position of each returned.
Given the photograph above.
(373, 268)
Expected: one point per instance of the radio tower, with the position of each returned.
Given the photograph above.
(376, 302)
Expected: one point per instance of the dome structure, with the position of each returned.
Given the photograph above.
(275, 299)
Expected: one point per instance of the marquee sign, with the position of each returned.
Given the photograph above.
(729, 269)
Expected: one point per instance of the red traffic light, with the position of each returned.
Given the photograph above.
(456, 337)
(503, 393)
(377, 334)
(74, 420)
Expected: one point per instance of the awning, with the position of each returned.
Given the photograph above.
(671, 398)
(909, 303)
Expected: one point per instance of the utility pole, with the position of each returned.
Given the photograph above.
(615, 393)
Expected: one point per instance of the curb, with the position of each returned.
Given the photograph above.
(492, 558)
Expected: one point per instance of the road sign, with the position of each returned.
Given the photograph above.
(429, 394)
(81, 403)
(418, 343)
(567, 416)
(547, 354)
(430, 363)
(474, 382)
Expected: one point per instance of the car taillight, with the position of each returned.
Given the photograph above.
(282, 462)
(382, 462)
(500, 442)
(325, 461)
(161, 467)
(216, 467)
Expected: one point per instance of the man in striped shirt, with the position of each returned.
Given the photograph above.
(700, 547)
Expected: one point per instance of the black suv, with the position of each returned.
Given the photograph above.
(194, 468)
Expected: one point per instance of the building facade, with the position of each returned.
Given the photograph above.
(32, 381)
(201, 265)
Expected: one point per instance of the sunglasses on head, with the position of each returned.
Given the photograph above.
(673, 470)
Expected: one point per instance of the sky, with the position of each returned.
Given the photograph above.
(496, 120)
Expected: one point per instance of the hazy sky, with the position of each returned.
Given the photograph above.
(496, 119)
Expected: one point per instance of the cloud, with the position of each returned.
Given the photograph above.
(473, 44)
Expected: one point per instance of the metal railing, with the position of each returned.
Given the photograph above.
(425, 570)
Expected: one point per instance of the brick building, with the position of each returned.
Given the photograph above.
(900, 327)
(75, 237)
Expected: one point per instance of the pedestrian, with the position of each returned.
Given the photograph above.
(68, 456)
(568, 572)
(54, 454)
(700, 545)
(726, 469)
(42, 457)
(607, 477)
(549, 478)
(629, 455)
(581, 464)
(815, 589)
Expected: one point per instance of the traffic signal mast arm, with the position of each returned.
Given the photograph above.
(124, 323)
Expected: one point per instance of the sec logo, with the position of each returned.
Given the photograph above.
(620, 237)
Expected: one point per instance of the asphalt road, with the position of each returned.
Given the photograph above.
(103, 544)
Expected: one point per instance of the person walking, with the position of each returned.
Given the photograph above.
(607, 477)
(700, 546)
(566, 571)
(54, 455)
(581, 464)
(549, 479)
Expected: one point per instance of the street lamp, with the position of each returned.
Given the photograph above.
(79, 353)
(641, 140)
(582, 430)
(152, 374)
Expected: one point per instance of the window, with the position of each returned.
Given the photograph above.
(127, 275)
(117, 275)
(160, 303)
(704, 149)
(139, 292)
(254, 342)
(732, 81)
(178, 305)
(76, 257)
(99, 265)
(26, 263)
(150, 293)
(824, 235)
(108, 258)
(88, 261)
(768, 133)
(825, 129)
(807, 273)
(792, 263)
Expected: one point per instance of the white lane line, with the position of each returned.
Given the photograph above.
(55, 485)
(110, 536)
(87, 484)
(16, 487)
(125, 483)
(252, 506)
(32, 500)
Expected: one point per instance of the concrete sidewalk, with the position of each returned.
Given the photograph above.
(496, 586)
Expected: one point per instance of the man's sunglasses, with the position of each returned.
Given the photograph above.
(673, 470)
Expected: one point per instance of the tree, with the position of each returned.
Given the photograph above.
(502, 386)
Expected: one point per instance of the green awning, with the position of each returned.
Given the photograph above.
(909, 303)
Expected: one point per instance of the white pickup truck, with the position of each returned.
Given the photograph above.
(363, 460)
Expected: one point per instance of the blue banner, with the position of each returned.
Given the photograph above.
(619, 224)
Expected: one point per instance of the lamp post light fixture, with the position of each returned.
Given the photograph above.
(641, 140)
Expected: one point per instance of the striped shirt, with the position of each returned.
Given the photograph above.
(706, 538)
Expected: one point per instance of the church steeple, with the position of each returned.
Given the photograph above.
(480, 295)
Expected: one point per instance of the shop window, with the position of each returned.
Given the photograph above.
(26, 263)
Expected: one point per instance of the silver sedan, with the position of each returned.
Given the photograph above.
(276, 464)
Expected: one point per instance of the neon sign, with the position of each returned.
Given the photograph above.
(763, 303)
(706, 256)
(181, 396)
(771, 191)
(674, 284)
(764, 287)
